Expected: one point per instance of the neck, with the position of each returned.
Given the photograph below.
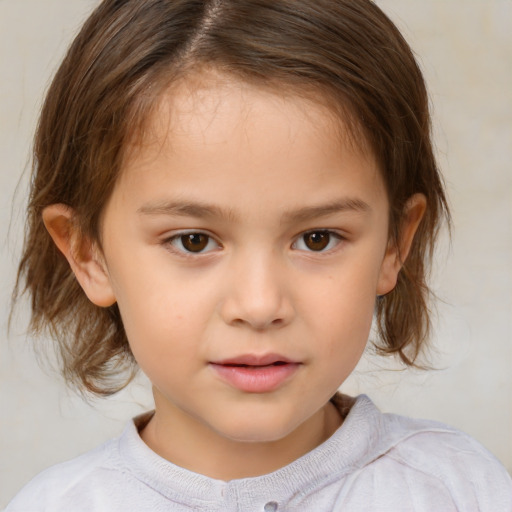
(192, 445)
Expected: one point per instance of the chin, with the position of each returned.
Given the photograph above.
(251, 431)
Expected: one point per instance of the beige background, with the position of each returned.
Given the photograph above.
(465, 49)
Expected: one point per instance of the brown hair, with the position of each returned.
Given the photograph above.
(127, 54)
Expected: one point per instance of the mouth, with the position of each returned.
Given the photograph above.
(256, 366)
(256, 374)
(256, 361)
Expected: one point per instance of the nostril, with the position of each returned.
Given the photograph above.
(257, 312)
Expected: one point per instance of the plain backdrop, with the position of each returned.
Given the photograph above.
(465, 50)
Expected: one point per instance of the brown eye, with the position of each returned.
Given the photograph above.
(317, 240)
(194, 242)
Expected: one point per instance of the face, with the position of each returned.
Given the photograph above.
(245, 243)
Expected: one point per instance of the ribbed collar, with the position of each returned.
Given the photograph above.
(361, 438)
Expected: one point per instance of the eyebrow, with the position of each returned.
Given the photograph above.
(339, 206)
(185, 209)
(202, 210)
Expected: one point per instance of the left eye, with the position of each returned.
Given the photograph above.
(317, 241)
(193, 243)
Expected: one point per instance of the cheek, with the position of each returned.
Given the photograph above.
(346, 333)
(164, 318)
(342, 311)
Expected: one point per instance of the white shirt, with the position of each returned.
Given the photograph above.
(373, 462)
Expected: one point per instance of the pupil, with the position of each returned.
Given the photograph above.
(194, 242)
(317, 241)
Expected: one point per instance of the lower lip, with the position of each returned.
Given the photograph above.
(256, 379)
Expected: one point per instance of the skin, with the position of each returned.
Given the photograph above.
(254, 171)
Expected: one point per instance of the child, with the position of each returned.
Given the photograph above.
(225, 194)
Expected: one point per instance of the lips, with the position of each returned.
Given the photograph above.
(252, 373)
(255, 360)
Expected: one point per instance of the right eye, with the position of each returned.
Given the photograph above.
(195, 243)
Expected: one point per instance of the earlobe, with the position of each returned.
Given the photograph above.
(83, 255)
(397, 253)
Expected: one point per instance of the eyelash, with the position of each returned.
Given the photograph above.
(333, 240)
(180, 239)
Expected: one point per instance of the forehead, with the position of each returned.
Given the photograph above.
(211, 127)
(197, 104)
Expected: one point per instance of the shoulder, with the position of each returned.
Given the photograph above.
(432, 457)
(69, 482)
(405, 464)
(105, 478)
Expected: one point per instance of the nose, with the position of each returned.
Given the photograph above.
(257, 293)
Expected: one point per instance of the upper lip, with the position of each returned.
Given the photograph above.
(255, 360)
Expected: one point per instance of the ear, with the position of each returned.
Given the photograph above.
(397, 253)
(83, 255)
